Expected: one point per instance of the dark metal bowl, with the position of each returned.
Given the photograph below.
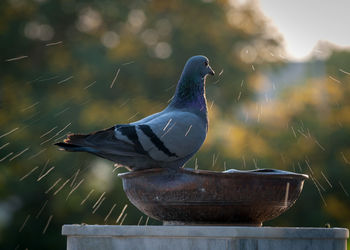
(186, 196)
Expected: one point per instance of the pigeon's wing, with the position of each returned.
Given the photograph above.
(100, 142)
(104, 144)
(167, 137)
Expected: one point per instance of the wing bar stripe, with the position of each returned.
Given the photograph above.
(130, 132)
(155, 140)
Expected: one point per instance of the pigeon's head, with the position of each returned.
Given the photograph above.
(198, 66)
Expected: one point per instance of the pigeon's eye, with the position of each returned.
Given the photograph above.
(205, 63)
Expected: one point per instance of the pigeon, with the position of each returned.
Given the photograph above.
(167, 139)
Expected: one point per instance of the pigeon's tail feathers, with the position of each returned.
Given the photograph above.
(102, 143)
(74, 148)
(94, 139)
(76, 139)
(76, 143)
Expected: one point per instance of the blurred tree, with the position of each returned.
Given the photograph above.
(84, 65)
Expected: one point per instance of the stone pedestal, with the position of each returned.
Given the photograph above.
(92, 237)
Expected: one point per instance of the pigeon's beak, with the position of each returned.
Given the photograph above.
(211, 71)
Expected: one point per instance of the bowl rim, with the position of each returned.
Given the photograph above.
(269, 173)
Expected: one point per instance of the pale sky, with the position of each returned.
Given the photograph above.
(303, 23)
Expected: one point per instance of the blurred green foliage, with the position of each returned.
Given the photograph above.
(84, 65)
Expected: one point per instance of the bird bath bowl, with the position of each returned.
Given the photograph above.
(200, 197)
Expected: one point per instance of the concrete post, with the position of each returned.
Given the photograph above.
(92, 237)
